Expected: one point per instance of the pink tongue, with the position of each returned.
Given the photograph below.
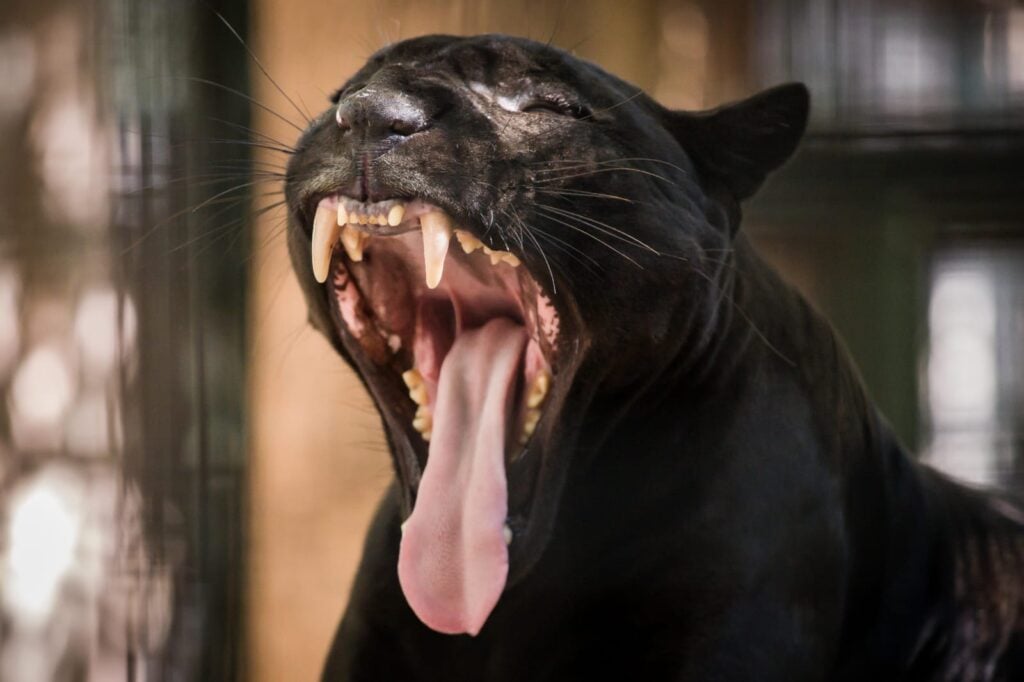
(453, 560)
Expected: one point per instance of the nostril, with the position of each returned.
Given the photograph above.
(343, 120)
(375, 116)
(404, 128)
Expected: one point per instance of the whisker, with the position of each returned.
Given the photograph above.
(223, 228)
(605, 228)
(589, 234)
(246, 97)
(259, 64)
(204, 180)
(251, 143)
(251, 131)
(624, 159)
(576, 254)
(525, 230)
(229, 189)
(595, 171)
(583, 193)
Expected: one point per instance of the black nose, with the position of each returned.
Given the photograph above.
(373, 115)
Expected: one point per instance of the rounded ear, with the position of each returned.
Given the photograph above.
(740, 143)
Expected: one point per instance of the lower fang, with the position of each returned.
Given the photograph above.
(507, 533)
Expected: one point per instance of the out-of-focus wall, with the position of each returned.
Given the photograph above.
(318, 459)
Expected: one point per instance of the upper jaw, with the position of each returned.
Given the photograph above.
(344, 230)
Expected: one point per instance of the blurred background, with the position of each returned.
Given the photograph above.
(187, 470)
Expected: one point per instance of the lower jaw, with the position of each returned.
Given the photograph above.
(457, 595)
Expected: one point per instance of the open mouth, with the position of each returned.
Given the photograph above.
(469, 335)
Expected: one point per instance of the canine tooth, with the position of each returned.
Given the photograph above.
(325, 233)
(437, 234)
(539, 389)
(396, 214)
(412, 377)
(507, 533)
(353, 240)
(468, 241)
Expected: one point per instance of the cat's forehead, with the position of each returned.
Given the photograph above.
(488, 59)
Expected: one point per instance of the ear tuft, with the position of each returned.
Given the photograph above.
(739, 144)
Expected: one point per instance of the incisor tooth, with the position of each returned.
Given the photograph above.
(468, 241)
(353, 240)
(342, 215)
(396, 214)
(325, 233)
(364, 219)
(539, 389)
(437, 233)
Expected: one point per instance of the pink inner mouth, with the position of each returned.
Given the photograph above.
(479, 342)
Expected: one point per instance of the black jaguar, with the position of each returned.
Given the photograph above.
(623, 448)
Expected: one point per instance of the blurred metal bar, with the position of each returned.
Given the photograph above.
(184, 253)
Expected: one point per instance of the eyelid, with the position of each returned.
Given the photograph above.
(556, 103)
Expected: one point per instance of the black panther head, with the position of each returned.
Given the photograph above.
(507, 243)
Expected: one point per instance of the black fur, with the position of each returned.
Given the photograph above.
(710, 494)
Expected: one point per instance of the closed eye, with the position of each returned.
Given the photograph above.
(542, 106)
(554, 105)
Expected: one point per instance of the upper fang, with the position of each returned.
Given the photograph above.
(325, 233)
(437, 234)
